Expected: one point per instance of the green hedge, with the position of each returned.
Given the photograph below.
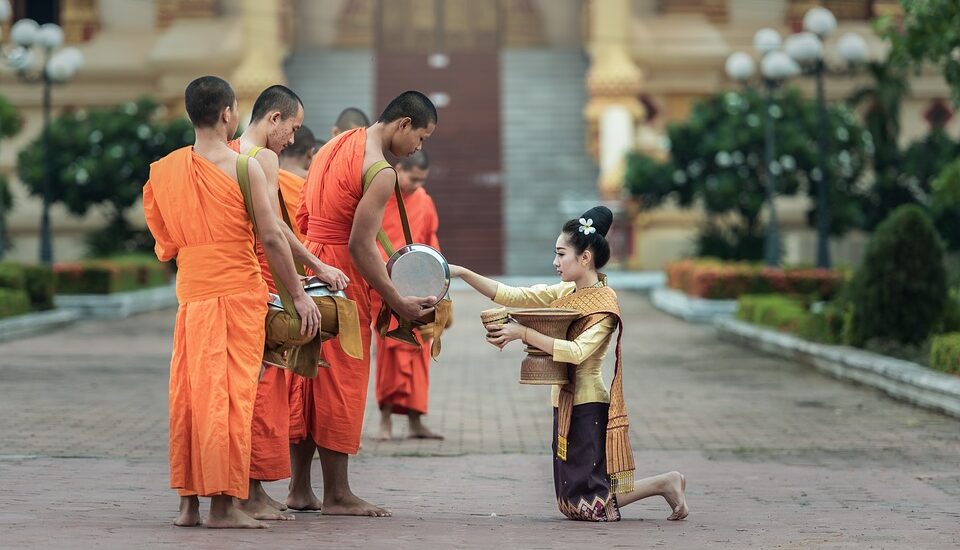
(111, 275)
(13, 302)
(792, 314)
(772, 310)
(945, 353)
(35, 280)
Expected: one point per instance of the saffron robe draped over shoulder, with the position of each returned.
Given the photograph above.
(334, 401)
(196, 214)
(403, 371)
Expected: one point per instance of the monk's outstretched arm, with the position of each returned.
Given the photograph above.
(366, 255)
(337, 279)
(278, 252)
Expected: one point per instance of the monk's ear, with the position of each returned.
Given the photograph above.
(275, 117)
(405, 123)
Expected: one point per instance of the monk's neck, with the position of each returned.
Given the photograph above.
(253, 136)
(378, 134)
(209, 139)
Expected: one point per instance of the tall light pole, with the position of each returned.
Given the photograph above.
(56, 66)
(775, 67)
(807, 49)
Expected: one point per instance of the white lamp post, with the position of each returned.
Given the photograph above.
(775, 67)
(807, 49)
(58, 66)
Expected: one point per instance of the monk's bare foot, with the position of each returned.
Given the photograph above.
(261, 509)
(189, 512)
(423, 432)
(676, 496)
(303, 501)
(418, 430)
(275, 503)
(386, 425)
(352, 505)
(226, 515)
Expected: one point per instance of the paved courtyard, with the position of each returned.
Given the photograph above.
(776, 455)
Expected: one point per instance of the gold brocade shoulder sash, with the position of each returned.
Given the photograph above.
(596, 304)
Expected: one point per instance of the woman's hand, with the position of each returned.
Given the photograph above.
(456, 271)
(501, 335)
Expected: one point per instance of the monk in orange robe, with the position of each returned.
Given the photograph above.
(341, 222)
(195, 210)
(403, 371)
(295, 161)
(277, 115)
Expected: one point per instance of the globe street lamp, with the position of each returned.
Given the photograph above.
(775, 67)
(57, 66)
(807, 49)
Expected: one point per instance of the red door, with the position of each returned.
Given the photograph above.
(464, 151)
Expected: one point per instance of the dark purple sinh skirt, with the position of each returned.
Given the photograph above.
(581, 481)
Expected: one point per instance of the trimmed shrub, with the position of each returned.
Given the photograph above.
(773, 310)
(111, 275)
(39, 284)
(36, 280)
(899, 292)
(717, 280)
(13, 302)
(945, 353)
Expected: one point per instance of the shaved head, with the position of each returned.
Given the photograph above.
(276, 98)
(205, 99)
(414, 105)
(351, 118)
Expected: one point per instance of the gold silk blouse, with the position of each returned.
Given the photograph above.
(587, 351)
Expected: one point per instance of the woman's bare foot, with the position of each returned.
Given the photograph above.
(189, 512)
(418, 430)
(352, 505)
(224, 514)
(676, 496)
(261, 509)
(303, 501)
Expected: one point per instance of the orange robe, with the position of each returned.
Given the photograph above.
(403, 371)
(270, 430)
(195, 212)
(334, 401)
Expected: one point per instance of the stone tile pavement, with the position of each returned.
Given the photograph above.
(776, 454)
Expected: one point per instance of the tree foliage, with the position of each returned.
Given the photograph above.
(717, 160)
(930, 33)
(102, 157)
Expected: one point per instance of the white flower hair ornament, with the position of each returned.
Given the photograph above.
(586, 226)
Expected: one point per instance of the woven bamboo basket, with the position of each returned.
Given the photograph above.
(538, 366)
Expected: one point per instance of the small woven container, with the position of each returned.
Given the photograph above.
(538, 366)
(494, 316)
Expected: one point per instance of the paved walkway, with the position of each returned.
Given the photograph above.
(776, 455)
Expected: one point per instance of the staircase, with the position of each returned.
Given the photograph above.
(548, 175)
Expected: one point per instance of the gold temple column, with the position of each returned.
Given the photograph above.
(613, 85)
(263, 52)
(80, 19)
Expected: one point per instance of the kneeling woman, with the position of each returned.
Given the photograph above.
(593, 462)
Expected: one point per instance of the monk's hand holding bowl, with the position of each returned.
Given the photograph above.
(501, 335)
(334, 278)
(309, 314)
(412, 308)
